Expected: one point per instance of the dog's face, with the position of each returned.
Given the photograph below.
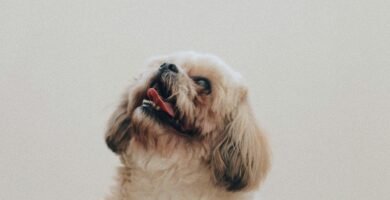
(198, 101)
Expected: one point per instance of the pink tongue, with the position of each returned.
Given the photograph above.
(156, 98)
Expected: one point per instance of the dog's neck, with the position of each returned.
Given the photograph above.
(147, 174)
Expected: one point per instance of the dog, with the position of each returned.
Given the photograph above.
(185, 130)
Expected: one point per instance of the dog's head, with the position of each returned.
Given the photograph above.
(194, 100)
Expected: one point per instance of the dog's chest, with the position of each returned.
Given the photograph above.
(150, 176)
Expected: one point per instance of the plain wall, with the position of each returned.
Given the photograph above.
(318, 72)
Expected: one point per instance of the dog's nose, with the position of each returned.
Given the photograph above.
(169, 66)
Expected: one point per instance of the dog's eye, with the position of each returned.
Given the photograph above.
(204, 83)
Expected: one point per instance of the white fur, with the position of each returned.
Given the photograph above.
(150, 176)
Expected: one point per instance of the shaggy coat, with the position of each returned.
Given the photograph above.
(185, 130)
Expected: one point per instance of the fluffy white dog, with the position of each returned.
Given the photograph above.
(185, 130)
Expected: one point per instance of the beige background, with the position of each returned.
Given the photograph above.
(319, 73)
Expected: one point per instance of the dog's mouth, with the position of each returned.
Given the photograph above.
(160, 104)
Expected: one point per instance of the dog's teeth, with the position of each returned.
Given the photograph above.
(157, 108)
(146, 101)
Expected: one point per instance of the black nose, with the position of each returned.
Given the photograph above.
(169, 66)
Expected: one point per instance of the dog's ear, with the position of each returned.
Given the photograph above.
(240, 160)
(118, 134)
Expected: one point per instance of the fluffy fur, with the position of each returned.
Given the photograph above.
(216, 151)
